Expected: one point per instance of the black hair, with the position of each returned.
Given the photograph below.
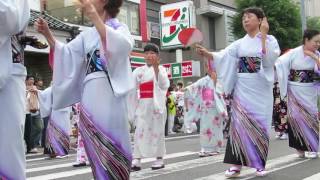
(180, 84)
(30, 76)
(254, 10)
(151, 47)
(309, 34)
(113, 7)
(170, 88)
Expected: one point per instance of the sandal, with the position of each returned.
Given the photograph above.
(232, 172)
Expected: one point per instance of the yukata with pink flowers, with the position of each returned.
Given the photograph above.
(192, 111)
(150, 112)
(213, 113)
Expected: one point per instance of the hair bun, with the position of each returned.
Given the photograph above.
(113, 7)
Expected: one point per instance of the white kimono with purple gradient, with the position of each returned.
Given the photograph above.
(59, 126)
(14, 18)
(103, 117)
(252, 104)
(302, 92)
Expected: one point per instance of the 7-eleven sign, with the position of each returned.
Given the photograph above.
(174, 18)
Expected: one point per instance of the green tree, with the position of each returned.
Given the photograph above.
(283, 17)
(313, 23)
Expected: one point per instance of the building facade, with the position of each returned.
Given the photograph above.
(311, 7)
(212, 17)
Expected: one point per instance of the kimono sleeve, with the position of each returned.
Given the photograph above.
(45, 102)
(68, 72)
(192, 89)
(116, 51)
(219, 100)
(269, 58)
(132, 100)
(14, 16)
(160, 89)
(163, 80)
(316, 68)
(283, 65)
(226, 62)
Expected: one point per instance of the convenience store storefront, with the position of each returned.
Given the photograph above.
(176, 71)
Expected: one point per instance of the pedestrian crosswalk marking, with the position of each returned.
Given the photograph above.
(44, 168)
(175, 167)
(273, 169)
(47, 162)
(88, 169)
(271, 166)
(181, 137)
(313, 177)
(61, 174)
(44, 158)
(170, 156)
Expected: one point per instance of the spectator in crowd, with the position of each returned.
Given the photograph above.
(171, 110)
(33, 122)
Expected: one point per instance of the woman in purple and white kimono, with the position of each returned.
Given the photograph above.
(296, 72)
(59, 127)
(14, 18)
(247, 70)
(94, 69)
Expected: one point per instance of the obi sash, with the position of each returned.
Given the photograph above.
(303, 76)
(249, 65)
(97, 64)
(146, 90)
(17, 50)
(94, 62)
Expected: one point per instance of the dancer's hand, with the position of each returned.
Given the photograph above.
(88, 9)
(264, 27)
(155, 61)
(315, 57)
(202, 51)
(311, 54)
(42, 27)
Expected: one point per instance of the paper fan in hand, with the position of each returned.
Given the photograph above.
(190, 36)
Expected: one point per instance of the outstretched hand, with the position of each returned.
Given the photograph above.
(87, 8)
(202, 51)
(42, 27)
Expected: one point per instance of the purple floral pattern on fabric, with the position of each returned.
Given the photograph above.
(302, 76)
(249, 64)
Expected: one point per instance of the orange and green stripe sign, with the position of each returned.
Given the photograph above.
(137, 59)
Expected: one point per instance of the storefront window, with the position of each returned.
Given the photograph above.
(65, 11)
(129, 15)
